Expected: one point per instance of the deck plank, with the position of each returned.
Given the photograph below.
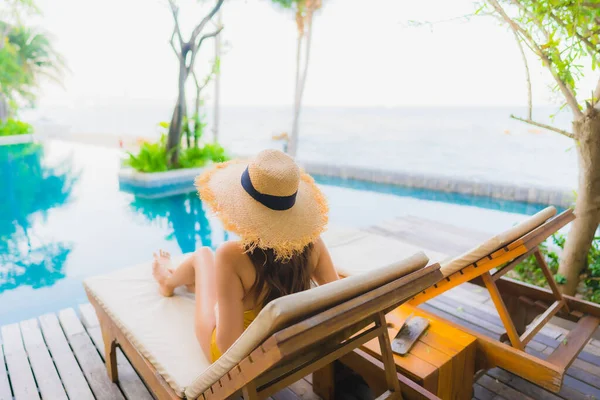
(498, 387)
(130, 382)
(42, 365)
(285, 394)
(66, 364)
(481, 393)
(521, 385)
(5, 392)
(88, 357)
(21, 376)
(304, 390)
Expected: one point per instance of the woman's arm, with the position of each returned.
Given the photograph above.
(324, 271)
(230, 295)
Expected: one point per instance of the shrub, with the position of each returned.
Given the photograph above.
(14, 127)
(152, 157)
(528, 270)
(215, 152)
(193, 157)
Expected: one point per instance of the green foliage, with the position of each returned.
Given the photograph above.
(193, 157)
(563, 34)
(187, 132)
(215, 152)
(529, 271)
(152, 157)
(14, 127)
(285, 3)
(199, 126)
(25, 56)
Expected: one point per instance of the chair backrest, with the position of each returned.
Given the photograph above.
(288, 310)
(496, 242)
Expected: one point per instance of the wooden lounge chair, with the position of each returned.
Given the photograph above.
(523, 309)
(291, 337)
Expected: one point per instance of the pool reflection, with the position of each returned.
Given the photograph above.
(184, 216)
(29, 190)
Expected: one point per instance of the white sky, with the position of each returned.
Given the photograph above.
(363, 54)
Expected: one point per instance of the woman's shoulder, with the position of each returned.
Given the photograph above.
(230, 250)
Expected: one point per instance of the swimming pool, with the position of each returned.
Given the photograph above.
(63, 218)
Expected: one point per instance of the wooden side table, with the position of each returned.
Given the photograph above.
(441, 361)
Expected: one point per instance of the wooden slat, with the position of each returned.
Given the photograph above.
(544, 231)
(88, 357)
(502, 311)
(501, 389)
(498, 354)
(510, 266)
(131, 384)
(328, 358)
(539, 323)
(68, 369)
(521, 385)
(158, 386)
(372, 372)
(43, 367)
(5, 392)
(588, 391)
(21, 377)
(304, 390)
(481, 393)
(566, 352)
(459, 312)
(285, 394)
(467, 274)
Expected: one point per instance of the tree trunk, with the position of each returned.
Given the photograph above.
(217, 81)
(3, 108)
(300, 84)
(175, 126)
(587, 206)
(291, 145)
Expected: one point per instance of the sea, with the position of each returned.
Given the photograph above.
(477, 143)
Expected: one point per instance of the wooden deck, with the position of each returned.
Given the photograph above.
(60, 356)
(470, 306)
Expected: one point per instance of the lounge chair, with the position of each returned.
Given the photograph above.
(291, 337)
(529, 308)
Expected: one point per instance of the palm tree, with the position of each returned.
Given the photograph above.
(35, 54)
(304, 10)
(32, 55)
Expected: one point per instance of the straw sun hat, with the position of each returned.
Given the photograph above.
(268, 202)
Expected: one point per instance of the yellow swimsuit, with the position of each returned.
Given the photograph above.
(249, 316)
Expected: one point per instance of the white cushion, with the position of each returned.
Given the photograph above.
(496, 242)
(162, 329)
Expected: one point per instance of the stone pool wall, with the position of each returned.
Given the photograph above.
(179, 181)
(528, 194)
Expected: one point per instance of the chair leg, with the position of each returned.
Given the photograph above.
(324, 382)
(110, 354)
(511, 331)
(388, 359)
(249, 391)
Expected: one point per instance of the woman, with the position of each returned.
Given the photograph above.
(278, 213)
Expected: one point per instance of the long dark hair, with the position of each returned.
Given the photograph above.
(276, 278)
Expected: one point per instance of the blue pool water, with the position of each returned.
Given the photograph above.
(63, 218)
